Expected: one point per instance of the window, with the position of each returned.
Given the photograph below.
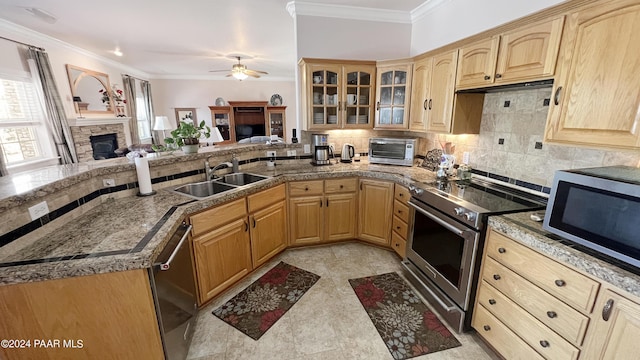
(144, 125)
(23, 135)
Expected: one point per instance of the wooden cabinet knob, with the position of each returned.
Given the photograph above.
(487, 77)
(492, 302)
(306, 188)
(502, 250)
(552, 314)
(498, 76)
(560, 283)
(544, 343)
(496, 277)
(341, 186)
(486, 328)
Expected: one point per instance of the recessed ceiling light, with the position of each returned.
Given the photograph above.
(42, 15)
(117, 52)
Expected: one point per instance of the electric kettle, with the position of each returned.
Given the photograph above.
(348, 152)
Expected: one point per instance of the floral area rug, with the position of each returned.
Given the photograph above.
(405, 324)
(255, 309)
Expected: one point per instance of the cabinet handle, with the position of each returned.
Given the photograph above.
(320, 202)
(246, 226)
(397, 245)
(544, 343)
(401, 194)
(492, 302)
(606, 310)
(306, 188)
(399, 211)
(502, 250)
(360, 186)
(327, 202)
(496, 277)
(340, 105)
(487, 77)
(430, 103)
(341, 186)
(560, 283)
(486, 328)
(556, 97)
(552, 314)
(398, 227)
(254, 222)
(498, 76)
(377, 105)
(424, 105)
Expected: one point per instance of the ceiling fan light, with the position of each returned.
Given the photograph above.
(239, 75)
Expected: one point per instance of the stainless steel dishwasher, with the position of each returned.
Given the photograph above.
(174, 293)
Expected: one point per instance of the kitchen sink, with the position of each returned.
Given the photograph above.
(204, 189)
(240, 179)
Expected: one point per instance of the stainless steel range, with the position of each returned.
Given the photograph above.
(447, 238)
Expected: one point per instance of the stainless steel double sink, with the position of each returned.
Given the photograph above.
(219, 185)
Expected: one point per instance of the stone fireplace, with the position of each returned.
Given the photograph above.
(82, 130)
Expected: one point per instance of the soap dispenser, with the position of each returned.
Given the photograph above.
(234, 162)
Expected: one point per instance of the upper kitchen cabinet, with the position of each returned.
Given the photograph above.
(337, 94)
(392, 95)
(446, 111)
(420, 94)
(596, 94)
(523, 54)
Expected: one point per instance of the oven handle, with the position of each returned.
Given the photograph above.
(166, 265)
(447, 307)
(449, 227)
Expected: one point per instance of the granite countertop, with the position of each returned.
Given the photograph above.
(129, 233)
(519, 226)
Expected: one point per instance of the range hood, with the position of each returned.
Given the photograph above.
(511, 87)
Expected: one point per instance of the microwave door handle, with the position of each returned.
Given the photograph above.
(167, 264)
(439, 221)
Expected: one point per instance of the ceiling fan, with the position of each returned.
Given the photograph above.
(240, 71)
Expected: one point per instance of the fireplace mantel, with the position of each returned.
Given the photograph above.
(104, 121)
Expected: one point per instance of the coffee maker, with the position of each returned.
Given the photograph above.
(321, 150)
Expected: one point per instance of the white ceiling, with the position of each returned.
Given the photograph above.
(181, 39)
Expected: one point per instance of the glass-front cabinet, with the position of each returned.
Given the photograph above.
(276, 121)
(392, 96)
(221, 118)
(338, 94)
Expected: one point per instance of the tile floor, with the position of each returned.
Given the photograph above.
(328, 322)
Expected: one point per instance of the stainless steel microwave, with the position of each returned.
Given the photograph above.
(598, 208)
(392, 151)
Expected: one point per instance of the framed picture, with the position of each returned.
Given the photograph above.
(185, 114)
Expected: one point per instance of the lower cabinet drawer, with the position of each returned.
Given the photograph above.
(401, 210)
(503, 340)
(554, 313)
(400, 227)
(544, 340)
(398, 244)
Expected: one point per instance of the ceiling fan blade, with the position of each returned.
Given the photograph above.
(255, 72)
(219, 70)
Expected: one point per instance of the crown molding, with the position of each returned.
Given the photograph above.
(219, 78)
(424, 9)
(296, 8)
(35, 36)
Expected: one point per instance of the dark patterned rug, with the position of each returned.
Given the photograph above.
(255, 309)
(406, 325)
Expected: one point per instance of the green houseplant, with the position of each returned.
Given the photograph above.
(188, 135)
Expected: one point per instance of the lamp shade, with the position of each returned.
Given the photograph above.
(163, 123)
(216, 136)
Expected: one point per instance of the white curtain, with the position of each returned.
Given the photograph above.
(132, 108)
(56, 118)
(146, 95)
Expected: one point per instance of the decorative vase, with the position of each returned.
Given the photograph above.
(190, 149)
(120, 111)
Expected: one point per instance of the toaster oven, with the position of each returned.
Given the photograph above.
(392, 151)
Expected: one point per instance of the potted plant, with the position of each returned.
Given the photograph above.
(188, 135)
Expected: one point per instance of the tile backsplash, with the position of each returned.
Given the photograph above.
(510, 140)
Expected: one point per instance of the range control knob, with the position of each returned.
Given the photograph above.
(470, 216)
(415, 190)
(459, 211)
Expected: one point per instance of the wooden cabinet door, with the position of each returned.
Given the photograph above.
(223, 256)
(323, 95)
(268, 232)
(596, 94)
(359, 83)
(420, 85)
(305, 220)
(477, 63)
(440, 104)
(392, 96)
(340, 216)
(615, 332)
(529, 53)
(375, 211)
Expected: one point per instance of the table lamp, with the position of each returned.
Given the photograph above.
(163, 124)
(215, 136)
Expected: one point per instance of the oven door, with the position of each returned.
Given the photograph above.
(444, 251)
